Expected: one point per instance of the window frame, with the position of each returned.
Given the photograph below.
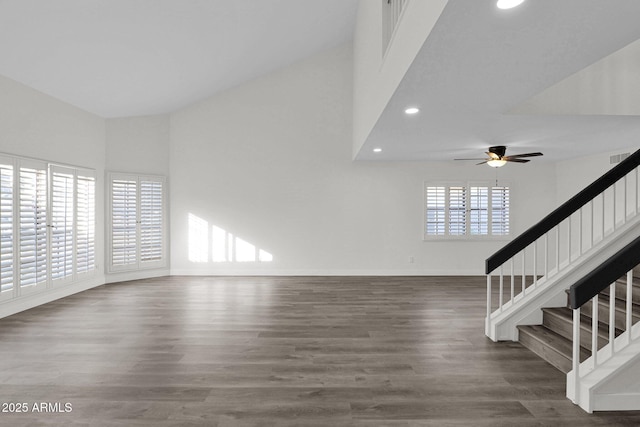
(139, 263)
(45, 219)
(467, 236)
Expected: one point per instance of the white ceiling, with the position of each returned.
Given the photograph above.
(483, 77)
(480, 63)
(120, 58)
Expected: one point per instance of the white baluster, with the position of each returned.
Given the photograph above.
(629, 304)
(569, 241)
(594, 330)
(612, 316)
(593, 223)
(524, 286)
(535, 263)
(624, 216)
(580, 232)
(614, 205)
(558, 248)
(488, 297)
(576, 354)
(513, 282)
(546, 254)
(500, 297)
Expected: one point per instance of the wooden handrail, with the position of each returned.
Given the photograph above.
(563, 212)
(605, 274)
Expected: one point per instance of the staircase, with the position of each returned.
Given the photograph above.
(542, 285)
(552, 340)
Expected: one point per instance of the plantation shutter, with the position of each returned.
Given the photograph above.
(479, 213)
(457, 211)
(62, 222)
(85, 222)
(33, 224)
(500, 211)
(6, 226)
(137, 222)
(124, 227)
(151, 224)
(435, 210)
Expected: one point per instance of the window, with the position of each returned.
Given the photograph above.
(458, 210)
(137, 222)
(47, 225)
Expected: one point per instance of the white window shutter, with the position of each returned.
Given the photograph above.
(85, 222)
(137, 222)
(479, 213)
(6, 227)
(457, 211)
(435, 210)
(33, 225)
(62, 223)
(124, 227)
(500, 211)
(151, 220)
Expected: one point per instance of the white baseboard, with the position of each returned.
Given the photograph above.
(313, 272)
(125, 276)
(27, 302)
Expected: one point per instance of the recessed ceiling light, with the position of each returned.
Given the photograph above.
(412, 110)
(377, 150)
(508, 4)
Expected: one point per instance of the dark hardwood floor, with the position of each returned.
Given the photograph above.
(267, 351)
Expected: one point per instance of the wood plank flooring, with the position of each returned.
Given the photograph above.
(278, 351)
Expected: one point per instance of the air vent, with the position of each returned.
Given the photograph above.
(617, 158)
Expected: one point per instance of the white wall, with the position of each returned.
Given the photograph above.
(138, 145)
(575, 174)
(270, 163)
(377, 78)
(38, 126)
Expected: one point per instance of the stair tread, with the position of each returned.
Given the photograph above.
(550, 338)
(550, 346)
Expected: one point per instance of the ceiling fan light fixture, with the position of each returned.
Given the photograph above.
(496, 163)
(508, 4)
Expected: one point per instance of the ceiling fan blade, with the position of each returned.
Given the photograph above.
(469, 159)
(492, 155)
(516, 160)
(525, 155)
(481, 163)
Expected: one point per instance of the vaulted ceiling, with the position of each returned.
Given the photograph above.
(140, 57)
(562, 77)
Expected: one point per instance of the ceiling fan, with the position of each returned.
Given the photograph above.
(497, 157)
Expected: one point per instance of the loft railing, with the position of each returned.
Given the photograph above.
(587, 290)
(391, 13)
(555, 243)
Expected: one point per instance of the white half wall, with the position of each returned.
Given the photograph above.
(269, 163)
(376, 76)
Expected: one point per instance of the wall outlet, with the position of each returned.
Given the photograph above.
(411, 260)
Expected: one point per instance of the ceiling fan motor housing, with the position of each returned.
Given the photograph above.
(499, 150)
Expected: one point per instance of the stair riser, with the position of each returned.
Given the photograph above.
(621, 291)
(564, 327)
(603, 312)
(555, 358)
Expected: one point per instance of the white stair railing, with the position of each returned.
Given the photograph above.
(620, 335)
(556, 243)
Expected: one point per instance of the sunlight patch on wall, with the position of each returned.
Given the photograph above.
(223, 246)
(198, 239)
